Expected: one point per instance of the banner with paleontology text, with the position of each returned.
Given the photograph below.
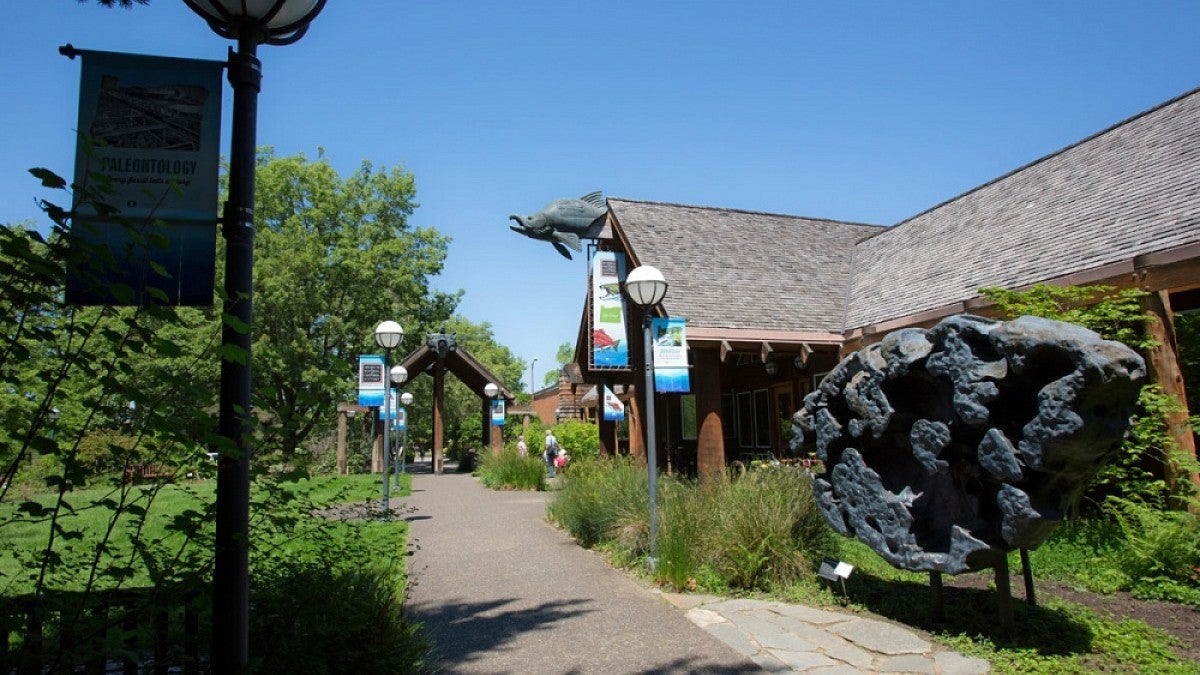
(670, 355)
(147, 161)
(610, 348)
(614, 409)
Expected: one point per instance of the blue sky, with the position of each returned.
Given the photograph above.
(860, 111)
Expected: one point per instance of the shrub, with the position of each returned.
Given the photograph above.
(1161, 551)
(579, 439)
(508, 470)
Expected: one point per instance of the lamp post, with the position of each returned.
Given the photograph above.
(250, 22)
(388, 335)
(532, 382)
(491, 390)
(55, 413)
(406, 400)
(399, 376)
(646, 287)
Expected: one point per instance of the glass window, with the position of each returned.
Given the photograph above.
(687, 417)
(745, 418)
(729, 416)
(762, 419)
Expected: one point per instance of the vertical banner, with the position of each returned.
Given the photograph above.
(148, 152)
(670, 355)
(370, 380)
(614, 410)
(400, 420)
(609, 346)
(498, 412)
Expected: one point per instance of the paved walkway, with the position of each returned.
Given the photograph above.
(502, 591)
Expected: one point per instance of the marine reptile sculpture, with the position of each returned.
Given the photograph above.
(563, 221)
(948, 447)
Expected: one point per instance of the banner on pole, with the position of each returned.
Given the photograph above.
(614, 410)
(370, 380)
(498, 412)
(670, 355)
(400, 420)
(610, 349)
(147, 160)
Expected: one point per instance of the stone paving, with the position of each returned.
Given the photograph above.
(781, 637)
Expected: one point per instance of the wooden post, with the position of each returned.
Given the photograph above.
(1004, 596)
(1165, 371)
(937, 597)
(377, 446)
(710, 434)
(341, 443)
(637, 440)
(439, 390)
(1027, 572)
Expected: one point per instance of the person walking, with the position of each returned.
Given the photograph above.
(522, 449)
(551, 451)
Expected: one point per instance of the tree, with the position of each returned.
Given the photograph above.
(334, 257)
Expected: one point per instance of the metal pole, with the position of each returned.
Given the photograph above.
(651, 449)
(231, 563)
(387, 422)
(404, 446)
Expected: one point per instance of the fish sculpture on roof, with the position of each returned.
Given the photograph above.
(563, 221)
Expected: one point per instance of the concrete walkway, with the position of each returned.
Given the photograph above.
(502, 591)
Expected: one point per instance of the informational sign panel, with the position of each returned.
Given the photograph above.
(147, 158)
(610, 349)
(614, 410)
(370, 380)
(670, 355)
(498, 412)
(400, 421)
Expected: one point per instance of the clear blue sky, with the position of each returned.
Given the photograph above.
(859, 111)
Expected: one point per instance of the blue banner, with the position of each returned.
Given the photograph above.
(370, 380)
(148, 147)
(670, 355)
(498, 412)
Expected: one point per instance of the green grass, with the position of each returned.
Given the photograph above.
(510, 471)
(317, 584)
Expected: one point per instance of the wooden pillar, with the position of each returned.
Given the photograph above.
(1165, 371)
(341, 443)
(637, 438)
(486, 430)
(377, 444)
(710, 436)
(439, 390)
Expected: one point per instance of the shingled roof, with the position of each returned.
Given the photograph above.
(742, 269)
(1127, 191)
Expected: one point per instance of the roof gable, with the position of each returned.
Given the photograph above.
(742, 269)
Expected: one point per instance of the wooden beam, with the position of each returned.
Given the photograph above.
(765, 351)
(805, 354)
(1165, 370)
(725, 350)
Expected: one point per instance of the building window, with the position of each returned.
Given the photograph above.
(729, 417)
(745, 419)
(687, 417)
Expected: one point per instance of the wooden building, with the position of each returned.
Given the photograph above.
(773, 301)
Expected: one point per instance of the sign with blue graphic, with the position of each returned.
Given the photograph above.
(670, 355)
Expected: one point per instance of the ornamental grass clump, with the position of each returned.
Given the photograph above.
(601, 501)
(510, 471)
(765, 529)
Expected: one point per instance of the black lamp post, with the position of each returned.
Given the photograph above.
(251, 23)
(646, 286)
(399, 376)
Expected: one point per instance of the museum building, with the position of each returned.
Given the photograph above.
(772, 301)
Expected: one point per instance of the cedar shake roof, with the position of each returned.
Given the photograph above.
(741, 269)
(1126, 191)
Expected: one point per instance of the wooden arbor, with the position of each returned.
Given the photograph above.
(440, 355)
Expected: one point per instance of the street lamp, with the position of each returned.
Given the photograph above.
(646, 286)
(55, 413)
(532, 382)
(406, 400)
(388, 335)
(491, 390)
(250, 22)
(399, 375)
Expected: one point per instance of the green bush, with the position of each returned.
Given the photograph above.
(1160, 555)
(579, 439)
(510, 471)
